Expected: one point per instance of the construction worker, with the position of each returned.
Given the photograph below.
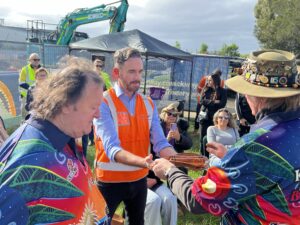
(27, 74)
(99, 65)
(27, 78)
(128, 123)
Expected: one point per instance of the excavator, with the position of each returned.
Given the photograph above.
(67, 26)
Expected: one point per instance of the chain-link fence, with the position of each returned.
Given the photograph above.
(169, 76)
(13, 56)
(166, 80)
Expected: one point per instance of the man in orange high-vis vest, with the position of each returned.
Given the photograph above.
(128, 123)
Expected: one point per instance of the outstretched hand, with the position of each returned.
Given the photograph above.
(161, 166)
(217, 149)
(149, 161)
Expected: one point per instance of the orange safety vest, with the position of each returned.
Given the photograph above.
(134, 134)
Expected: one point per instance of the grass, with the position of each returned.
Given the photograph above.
(185, 218)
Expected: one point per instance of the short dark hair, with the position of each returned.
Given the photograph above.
(217, 79)
(122, 55)
(217, 72)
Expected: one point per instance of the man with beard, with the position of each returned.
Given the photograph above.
(129, 122)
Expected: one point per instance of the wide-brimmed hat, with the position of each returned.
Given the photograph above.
(170, 108)
(268, 73)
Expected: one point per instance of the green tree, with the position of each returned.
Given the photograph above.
(203, 48)
(178, 45)
(278, 24)
(230, 50)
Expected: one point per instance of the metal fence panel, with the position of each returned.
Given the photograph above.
(178, 78)
(13, 56)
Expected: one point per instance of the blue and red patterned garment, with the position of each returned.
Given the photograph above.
(45, 181)
(258, 181)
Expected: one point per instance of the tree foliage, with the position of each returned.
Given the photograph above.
(178, 45)
(278, 24)
(230, 50)
(203, 48)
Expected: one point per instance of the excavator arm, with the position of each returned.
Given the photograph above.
(117, 23)
(68, 25)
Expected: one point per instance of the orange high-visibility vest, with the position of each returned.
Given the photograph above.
(134, 134)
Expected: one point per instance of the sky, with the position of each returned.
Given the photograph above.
(190, 22)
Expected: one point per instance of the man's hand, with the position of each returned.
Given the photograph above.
(128, 158)
(149, 161)
(217, 149)
(161, 167)
(243, 122)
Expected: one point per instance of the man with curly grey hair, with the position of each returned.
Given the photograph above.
(43, 173)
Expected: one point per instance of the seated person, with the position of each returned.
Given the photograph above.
(175, 129)
(160, 201)
(224, 131)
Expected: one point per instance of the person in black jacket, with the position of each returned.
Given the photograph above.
(244, 114)
(213, 98)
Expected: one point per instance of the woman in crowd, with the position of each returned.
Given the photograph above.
(41, 74)
(258, 180)
(224, 131)
(244, 115)
(175, 128)
(200, 86)
(213, 97)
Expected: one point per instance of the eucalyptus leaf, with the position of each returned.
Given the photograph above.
(35, 182)
(41, 214)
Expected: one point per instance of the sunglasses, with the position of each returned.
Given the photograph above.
(36, 60)
(172, 114)
(223, 117)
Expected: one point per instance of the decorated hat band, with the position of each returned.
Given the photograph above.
(271, 73)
